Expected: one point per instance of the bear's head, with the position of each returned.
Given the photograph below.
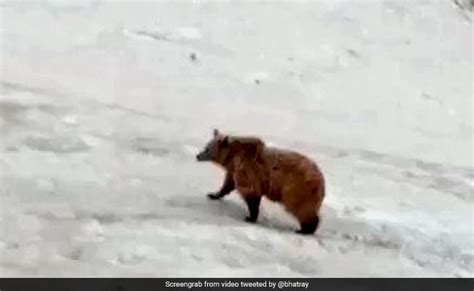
(222, 148)
(216, 150)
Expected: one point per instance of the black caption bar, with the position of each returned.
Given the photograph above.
(172, 284)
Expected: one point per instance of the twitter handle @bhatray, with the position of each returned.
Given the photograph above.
(272, 284)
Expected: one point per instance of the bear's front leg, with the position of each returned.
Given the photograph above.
(226, 188)
(253, 204)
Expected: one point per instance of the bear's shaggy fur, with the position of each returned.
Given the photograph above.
(256, 170)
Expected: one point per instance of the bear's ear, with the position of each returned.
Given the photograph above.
(225, 142)
(215, 132)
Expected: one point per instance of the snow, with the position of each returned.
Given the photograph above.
(103, 106)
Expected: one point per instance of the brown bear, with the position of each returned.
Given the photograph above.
(256, 170)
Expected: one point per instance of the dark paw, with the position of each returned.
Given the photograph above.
(214, 196)
(250, 219)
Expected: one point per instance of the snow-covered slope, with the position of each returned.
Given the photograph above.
(103, 106)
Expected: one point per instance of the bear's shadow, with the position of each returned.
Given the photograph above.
(226, 212)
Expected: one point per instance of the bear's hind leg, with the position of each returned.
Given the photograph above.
(309, 226)
(253, 203)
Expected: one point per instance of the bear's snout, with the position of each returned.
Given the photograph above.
(201, 157)
(198, 157)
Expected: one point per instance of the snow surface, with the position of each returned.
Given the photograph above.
(103, 106)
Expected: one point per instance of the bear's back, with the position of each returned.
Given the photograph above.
(291, 163)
